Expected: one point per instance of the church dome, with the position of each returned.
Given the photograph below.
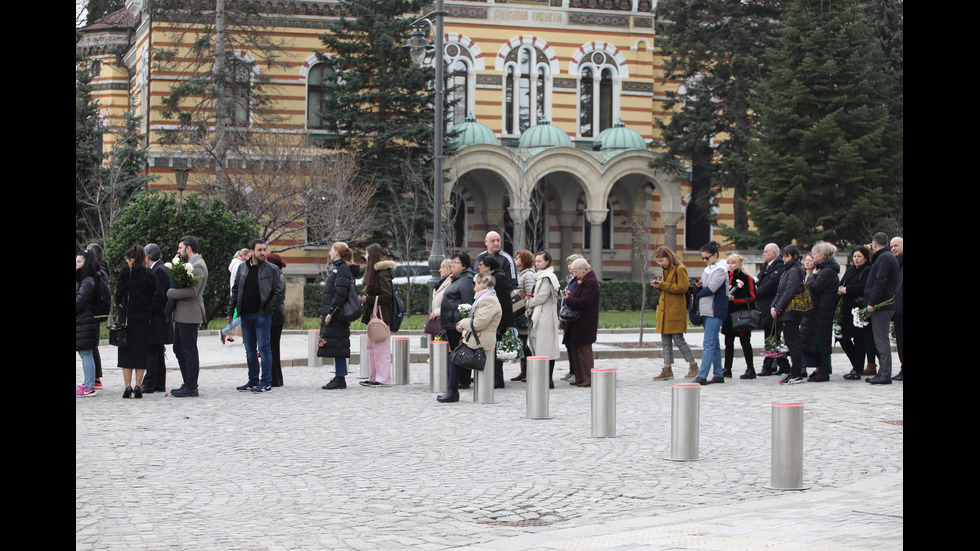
(542, 135)
(471, 132)
(619, 137)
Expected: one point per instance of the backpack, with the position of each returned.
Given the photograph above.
(399, 313)
(102, 302)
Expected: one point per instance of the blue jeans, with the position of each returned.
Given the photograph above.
(340, 367)
(88, 367)
(231, 326)
(256, 329)
(712, 348)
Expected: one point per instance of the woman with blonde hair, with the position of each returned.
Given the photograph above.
(335, 331)
(740, 297)
(673, 285)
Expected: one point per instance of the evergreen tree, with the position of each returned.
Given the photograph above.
(714, 48)
(827, 147)
(88, 145)
(380, 102)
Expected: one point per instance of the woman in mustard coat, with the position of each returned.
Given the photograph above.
(672, 311)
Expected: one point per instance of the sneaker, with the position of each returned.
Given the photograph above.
(98, 385)
(335, 383)
(84, 391)
(790, 380)
(568, 377)
(245, 387)
(260, 388)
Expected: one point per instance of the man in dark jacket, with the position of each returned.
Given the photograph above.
(257, 293)
(507, 264)
(898, 249)
(882, 282)
(580, 335)
(765, 293)
(155, 379)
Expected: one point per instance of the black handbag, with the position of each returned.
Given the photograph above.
(118, 335)
(568, 314)
(746, 320)
(694, 311)
(521, 321)
(469, 358)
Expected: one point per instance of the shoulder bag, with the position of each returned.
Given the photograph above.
(469, 358)
(377, 330)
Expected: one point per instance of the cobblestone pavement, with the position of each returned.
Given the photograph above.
(390, 468)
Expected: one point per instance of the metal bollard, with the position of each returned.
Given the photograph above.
(399, 361)
(424, 340)
(483, 380)
(364, 359)
(312, 359)
(787, 446)
(438, 366)
(603, 403)
(537, 388)
(685, 420)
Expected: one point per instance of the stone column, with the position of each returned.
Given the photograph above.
(671, 219)
(567, 221)
(293, 304)
(596, 217)
(519, 216)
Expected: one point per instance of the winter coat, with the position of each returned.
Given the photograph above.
(382, 289)
(883, 279)
(272, 288)
(525, 283)
(744, 298)
(86, 328)
(854, 281)
(543, 336)
(337, 333)
(190, 300)
(672, 308)
(159, 328)
(789, 285)
(714, 302)
(483, 321)
(502, 288)
(817, 325)
(585, 297)
(767, 284)
(460, 291)
(279, 314)
(134, 293)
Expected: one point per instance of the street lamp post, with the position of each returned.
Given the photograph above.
(180, 175)
(418, 46)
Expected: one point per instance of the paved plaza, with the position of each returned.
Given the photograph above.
(390, 468)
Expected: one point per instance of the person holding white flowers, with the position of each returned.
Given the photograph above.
(853, 338)
(188, 314)
(460, 291)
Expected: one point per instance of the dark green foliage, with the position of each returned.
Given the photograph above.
(715, 49)
(154, 218)
(88, 145)
(829, 159)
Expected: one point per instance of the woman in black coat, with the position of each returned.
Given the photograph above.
(134, 294)
(741, 297)
(817, 325)
(86, 328)
(851, 291)
(278, 321)
(335, 334)
(491, 266)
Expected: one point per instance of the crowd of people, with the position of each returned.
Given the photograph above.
(804, 304)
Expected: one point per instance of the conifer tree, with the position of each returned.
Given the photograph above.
(826, 156)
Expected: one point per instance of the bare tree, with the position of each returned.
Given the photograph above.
(642, 254)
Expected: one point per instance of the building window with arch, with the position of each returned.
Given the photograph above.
(527, 93)
(238, 90)
(461, 84)
(317, 96)
(597, 93)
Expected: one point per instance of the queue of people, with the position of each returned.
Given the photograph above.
(796, 300)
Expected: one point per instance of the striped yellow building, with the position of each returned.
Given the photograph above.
(558, 106)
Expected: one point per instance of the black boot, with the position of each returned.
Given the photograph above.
(451, 395)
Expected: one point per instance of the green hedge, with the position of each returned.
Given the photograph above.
(621, 296)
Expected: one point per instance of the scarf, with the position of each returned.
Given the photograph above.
(539, 277)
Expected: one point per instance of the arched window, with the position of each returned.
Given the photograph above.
(597, 94)
(461, 84)
(317, 96)
(238, 89)
(527, 93)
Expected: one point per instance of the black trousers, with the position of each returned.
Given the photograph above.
(156, 368)
(185, 349)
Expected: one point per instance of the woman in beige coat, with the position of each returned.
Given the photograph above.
(543, 338)
(484, 315)
(672, 311)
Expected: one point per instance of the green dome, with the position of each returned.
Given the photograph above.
(620, 137)
(544, 134)
(471, 132)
